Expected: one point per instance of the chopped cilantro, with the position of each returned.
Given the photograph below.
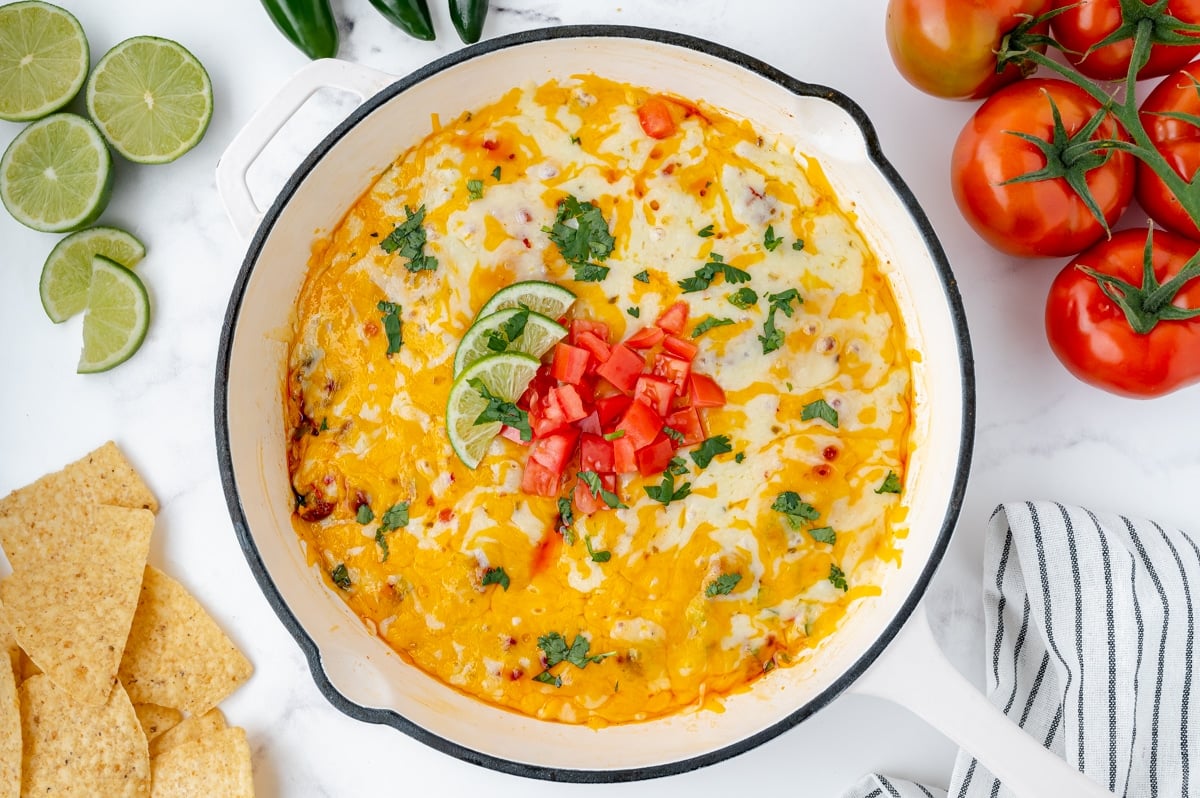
(340, 576)
(710, 448)
(706, 232)
(546, 677)
(395, 517)
(509, 332)
(891, 484)
(365, 514)
(635, 312)
(391, 325)
(823, 534)
(707, 273)
(739, 457)
(409, 239)
(324, 424)
(566, 520)
(673, 434)
(677, 466)
(770, 240)
(708, 323)
(499, 410)
(798, 245)
(381, 541)
(772, 337)
(576, 140)
(837, 577)
(797, 511)
(743, 298)
(554, 647)
(589, 272)
(667, 492)
(495, 576)
(643, 276)
(592, 480)
(587, 240)
(475, 189)
(496, 173)
(820, 409)
(723, 585)
(597, 556)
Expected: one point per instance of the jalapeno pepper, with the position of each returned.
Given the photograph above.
(410, 16)
(308, 24)
(468, 17)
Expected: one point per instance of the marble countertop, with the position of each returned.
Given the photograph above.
(1041, 434)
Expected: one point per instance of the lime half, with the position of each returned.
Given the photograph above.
(151, 98)
(118, 313)
(44, 60)
(548, 299)
(489, 335)
(506, 376)
(57, 174)
(67, 272)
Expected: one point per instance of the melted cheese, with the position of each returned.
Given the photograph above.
(368, 428)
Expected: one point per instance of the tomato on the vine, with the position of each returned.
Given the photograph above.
(1179, 143)
(1095, 337)
(947, 48)
(1044, 217)
(1085, 23)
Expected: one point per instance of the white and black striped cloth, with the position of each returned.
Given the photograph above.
(1090, 630)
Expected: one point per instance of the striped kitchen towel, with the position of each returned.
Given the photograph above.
(1090, 630)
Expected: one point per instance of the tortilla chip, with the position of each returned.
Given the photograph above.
(176, 655)
(193, 728)
(73, 750)
(27, 668)
(8, 643)
(156, 720)
(10, 734)
(102, 477)
(74, 588)
(216, 764)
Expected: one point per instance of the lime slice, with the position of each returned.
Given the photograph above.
(151, 98)
(44, 60)
(548, 299)
(118, 313)
(506, 375)
(57, 174)
(539, 335)
(67, 272)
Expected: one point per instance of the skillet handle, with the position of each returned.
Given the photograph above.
(252, 139)
(913, 673)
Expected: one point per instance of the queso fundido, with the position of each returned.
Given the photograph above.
(703, 474)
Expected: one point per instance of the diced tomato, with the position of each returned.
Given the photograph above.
(595, 454)
(680, 347)
(587, 388)
(542, 382)
(641, 424)
(581, 326)
(688, 423)
(674, 318)
(570, 403)
(655, 118)
(513, 434)
(585, 502)
(645, 337)
(538, 480)
(610, 408)
(704, 391)
(655, 392)
(673, 369)
(570, 362)
(546, 415)
(624, 455)
(599, 349)
(655, 458)
(590, 424)
(554, 451)
(622, 368)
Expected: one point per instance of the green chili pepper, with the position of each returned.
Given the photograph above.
(410, 16)
(468, 17)
(308, 24)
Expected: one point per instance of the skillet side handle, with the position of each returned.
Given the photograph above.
(915, 674)
(252, 139)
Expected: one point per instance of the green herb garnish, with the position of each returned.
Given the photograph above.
(798, 244)
(592, 480)
(820, 409)
(589, 238)
(772, 337)
(365, 514)
(475, 189)
(409, 240)
(823, 534)
(381, 541)
(643, 276)
(391, 325)
(597, 556)
(340, 576)
(891, 484)
(495, 576)
(708, 323)
(496, 173)
(509, 332)
(837, 577)
(612, 436)
(395, 517)
(705, 274)
(739, 457)
(566, 520)
(710, 448)
(797, 511)
(770, 240)
(499, 410)
(554, 647)
(673, 434)
(743, 298)
(667, 492)
(677, 466)
(706, 232)
(723, 585)
(635, 312)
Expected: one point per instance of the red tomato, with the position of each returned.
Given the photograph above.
(1178, 141)
(595, 454)
(1091, 335)
(947, 48)
(655, 392)
(655, 117)
(622, 368)
(570, 362)
(646, 337)
(704, 391)
(640, 424)
(1043, 218)
(581, 326)
(673, 369)
(680, 347)
(1085, 23)
(585, 502)
(687, 422)
(610, 408)
(655, 457)
(674, 318)
(624, 456)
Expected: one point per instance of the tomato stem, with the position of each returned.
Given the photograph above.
(1147, 304)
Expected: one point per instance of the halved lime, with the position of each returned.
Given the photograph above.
(44, 60)
(67, 272)
(488, 336)
(548, 299)
(56, 175)
(118, 313)
(151, 98)
(506, 376)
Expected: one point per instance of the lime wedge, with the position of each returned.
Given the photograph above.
(506, 376)
(548, 299)
(44, 60)
(57, 174)
(118, 313)
(151, 98)
(488, 336)
(67, 272)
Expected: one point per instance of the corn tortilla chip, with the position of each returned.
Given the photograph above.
(27, 668)
(10, 734)
(156, 720)
(8, 643)
(101, 477)
(192, 728)
(77, 574)
(216, 764)
(176, 655)
(75, 750)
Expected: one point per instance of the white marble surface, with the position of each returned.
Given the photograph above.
(1040, 433)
